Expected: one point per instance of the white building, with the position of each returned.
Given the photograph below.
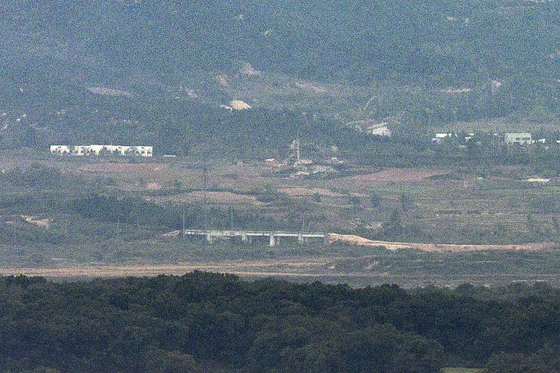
(122, 150)
(522, 138)
(60, 149)
(441, 137)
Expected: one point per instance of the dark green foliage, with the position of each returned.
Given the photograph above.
(126, 210)
(137, 211)
(169, 324)
(271, 195)
(316, 197)
(375, 200)
(354, 201)
(36, 176)
(543, 361)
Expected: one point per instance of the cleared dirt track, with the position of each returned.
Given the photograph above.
(434, 247)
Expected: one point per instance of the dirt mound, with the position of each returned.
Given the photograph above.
(239, 105)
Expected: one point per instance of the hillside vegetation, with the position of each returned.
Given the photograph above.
(422, 63)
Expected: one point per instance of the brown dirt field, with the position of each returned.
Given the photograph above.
(123, 167)
(397, 175)
(289, 268)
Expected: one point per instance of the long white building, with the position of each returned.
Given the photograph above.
(523, 138)
(100, 150)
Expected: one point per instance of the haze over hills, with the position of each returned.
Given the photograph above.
(117, 70)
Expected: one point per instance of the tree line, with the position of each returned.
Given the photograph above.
(200, 320)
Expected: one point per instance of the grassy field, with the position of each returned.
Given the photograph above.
(454, 205)
(465, 208)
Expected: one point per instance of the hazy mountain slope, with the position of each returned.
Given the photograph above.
(359, 40)
(425, 62)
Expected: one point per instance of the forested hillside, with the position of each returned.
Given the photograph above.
(166, 66)
(210, 322)
(362, 41)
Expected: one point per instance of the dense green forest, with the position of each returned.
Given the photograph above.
(213, 322)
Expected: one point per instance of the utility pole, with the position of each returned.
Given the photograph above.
(183, 216)
(204, 199)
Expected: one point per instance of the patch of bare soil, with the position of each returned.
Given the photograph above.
(44, 223)
(109, 91)
(310, 88)
(118, 167)
(302, 192)
(153, 186)
(398, 175)
(219, 198)
(171, 234)
(357, 240)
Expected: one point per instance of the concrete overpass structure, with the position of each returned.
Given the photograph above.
(272, 237)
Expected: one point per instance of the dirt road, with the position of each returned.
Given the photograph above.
(434, 247)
